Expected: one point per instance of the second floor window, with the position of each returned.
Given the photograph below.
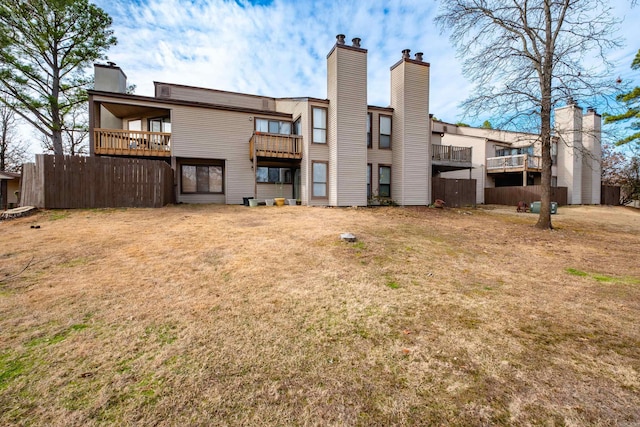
(385, 132)
(162, 124)
(319, 119)
(297, 127)
(273, 126)
(502, 152)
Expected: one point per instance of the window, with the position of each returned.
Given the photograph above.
(502, 152)
(134, 125)
(201, 179)
(384, 181)
(369, 130)
(320, 179)
(385, 132)
(162, 124)
(554, 181)
(554, 153)
(319, 119)
(297, 126)
(273, 175)
(368, 181)
(273, 126)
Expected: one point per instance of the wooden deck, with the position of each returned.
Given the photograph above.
(518, 163)
(446, 158)
(450, 153)
(119, 142)
(275, 146)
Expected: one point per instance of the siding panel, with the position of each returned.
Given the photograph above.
(347, 92)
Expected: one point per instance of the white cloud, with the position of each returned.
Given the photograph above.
(276, 50)
(279, 48)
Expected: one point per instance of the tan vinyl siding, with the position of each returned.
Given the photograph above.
(332, 128)
(214, 134)
(416, 136)
(569, 126)
(108, 120)
(302, 109)
(591, 166)
(212, 96)
(271, 191)
(397, 138)
(347, 93)
(410, 139)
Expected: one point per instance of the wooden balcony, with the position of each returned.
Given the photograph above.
(275, 146)
(446, 158)
(119, 142)
(517, 163)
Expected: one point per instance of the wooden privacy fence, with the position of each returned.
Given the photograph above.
(531, 193)
(67, 182)
(455, 192)
(610, 195)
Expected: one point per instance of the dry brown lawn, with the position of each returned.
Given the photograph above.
(226, 315)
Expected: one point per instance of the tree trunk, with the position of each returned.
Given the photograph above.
(544, 220)
(56, 140)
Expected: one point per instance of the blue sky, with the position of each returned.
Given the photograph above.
(278, 47)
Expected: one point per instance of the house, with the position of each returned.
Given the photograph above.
(9, 190)
(513, 159)
(339, 151)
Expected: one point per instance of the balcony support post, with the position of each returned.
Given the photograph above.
(255, 172)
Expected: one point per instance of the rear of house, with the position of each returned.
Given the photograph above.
(224, 147)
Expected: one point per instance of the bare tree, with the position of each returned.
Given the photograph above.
(12, 151)
(75, 134)
(527, 57)
(622, 169)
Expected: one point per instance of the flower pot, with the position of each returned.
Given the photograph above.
(291, 202)
(253, 203)
(279, 201)
(269, 202)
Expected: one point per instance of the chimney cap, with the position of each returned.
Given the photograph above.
(405, 53)
(111, 63)
(340, 38)
(419, 56)
(356, 41)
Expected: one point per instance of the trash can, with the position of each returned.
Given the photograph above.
(245, 200)
(535, 207)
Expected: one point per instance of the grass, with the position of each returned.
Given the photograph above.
(188, 314)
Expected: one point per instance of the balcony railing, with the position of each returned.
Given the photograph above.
(450, 153)
(275, 145)
(120, 142)
(517, 163)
